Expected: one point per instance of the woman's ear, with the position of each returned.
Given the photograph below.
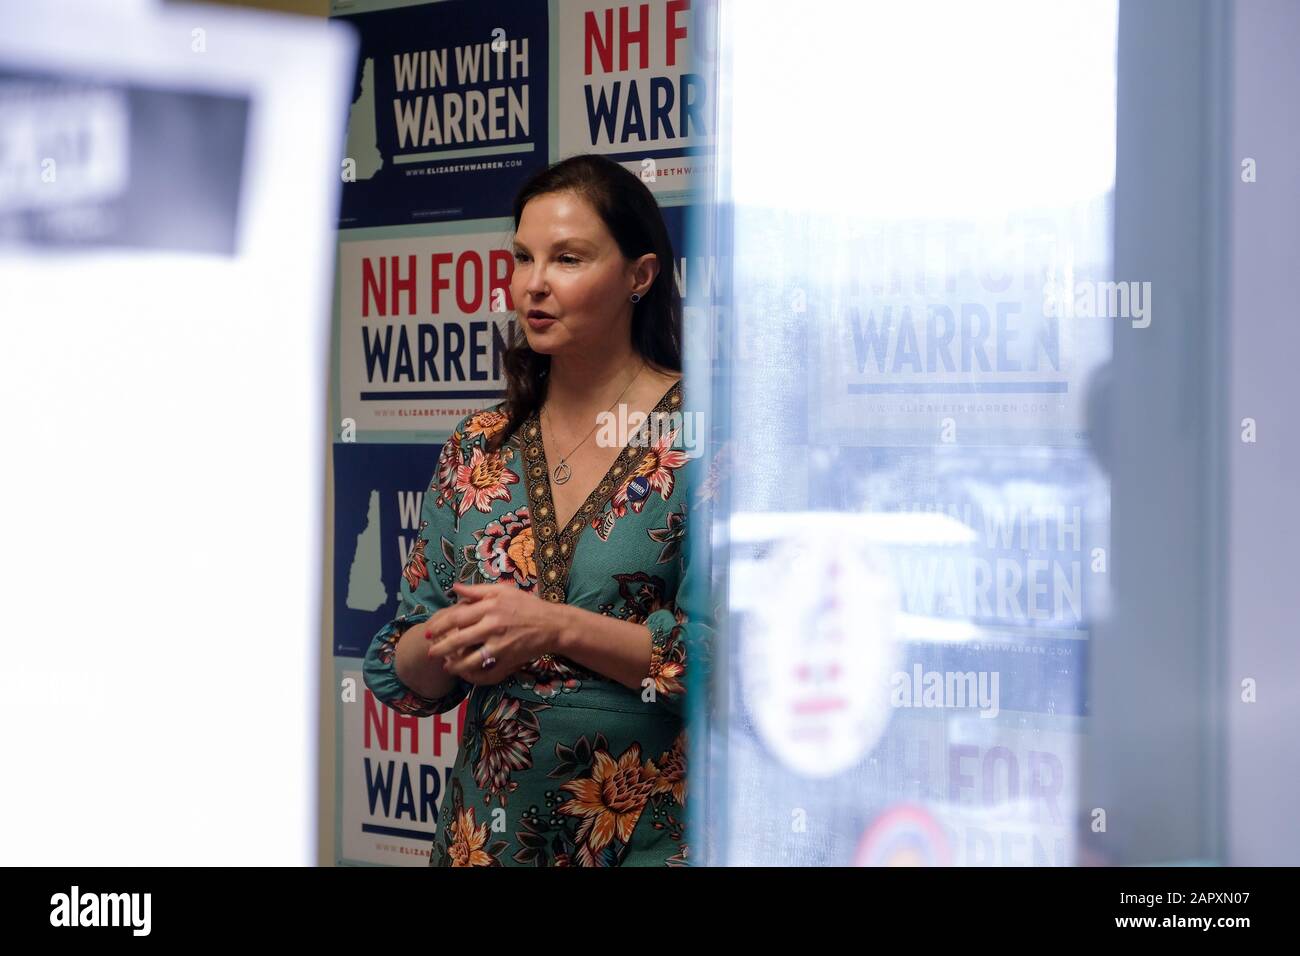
(645, 270)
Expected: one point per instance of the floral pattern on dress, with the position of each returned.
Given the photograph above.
(449, 460)
(551, 674)
(417, 568)
(484, 480)
(668, 656)
(656, 471)
(608, 802)
(642, 595)
(466, 840)
(502, 551)
(592, 816)
(500, 738)
(486, 424)
(672, 535)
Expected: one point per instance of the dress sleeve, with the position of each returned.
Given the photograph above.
(421, 593)
(681, 634)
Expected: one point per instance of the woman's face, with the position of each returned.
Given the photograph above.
(568, 265)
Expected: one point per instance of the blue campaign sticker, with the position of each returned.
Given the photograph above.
(638, 488)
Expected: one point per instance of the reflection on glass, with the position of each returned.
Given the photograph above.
(916, 532)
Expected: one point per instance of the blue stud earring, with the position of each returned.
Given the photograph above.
(636, 297)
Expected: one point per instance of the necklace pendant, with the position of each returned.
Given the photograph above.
(561, 473)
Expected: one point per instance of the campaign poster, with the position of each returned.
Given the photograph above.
(378, 493)
(981, 538)
(923, 332)
(634, 83)
(450, 110)
(391, 769)
(970, 792)
(422, 324)
(393, 772)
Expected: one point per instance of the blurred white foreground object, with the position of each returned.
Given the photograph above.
(168, 197)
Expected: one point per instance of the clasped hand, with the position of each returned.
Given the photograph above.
(508, 623)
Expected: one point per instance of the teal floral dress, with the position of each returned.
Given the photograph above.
(558, 766)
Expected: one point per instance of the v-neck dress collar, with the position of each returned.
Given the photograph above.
(553, 546)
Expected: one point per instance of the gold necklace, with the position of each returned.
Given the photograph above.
(561, 472)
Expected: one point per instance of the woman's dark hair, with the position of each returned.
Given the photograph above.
(632, 216)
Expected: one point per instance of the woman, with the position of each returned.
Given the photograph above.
(544, 584)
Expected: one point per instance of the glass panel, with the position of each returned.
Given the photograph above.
(914, 533)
